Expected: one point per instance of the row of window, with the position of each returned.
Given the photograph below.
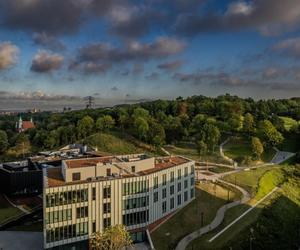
(136, 218)
(58, 216)
(66, 232)
(67, 197)
(135, 187)
(135, 202)
(172, 177)
(179, 201)
(172, 189)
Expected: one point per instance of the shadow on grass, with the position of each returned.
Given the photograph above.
(198, 213)
(276, 227)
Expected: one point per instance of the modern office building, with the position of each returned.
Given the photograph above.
(87, 195)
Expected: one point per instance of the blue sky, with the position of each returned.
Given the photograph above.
(132, 50)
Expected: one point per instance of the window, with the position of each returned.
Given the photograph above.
(164, 193)
(179, 174)
(155, 182)
(136, 218)
(172, 203)
(178, 186)
(185, 183)
(94, 193)
(106, 222)
(108, 172)
(171, 176)
(186, 171)
(192, 169)
(171, 189)
(192, 181)
(185, 196)
(106, 208)
(106, 192)
(136, 202)
(164, 179)
(164, 207)
(178, 199)
(133, 169)
(81, 212)
(192, 193)
(155, 197)
(94, 227)
(75, 176)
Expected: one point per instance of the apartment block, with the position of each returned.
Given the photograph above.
(87, 195)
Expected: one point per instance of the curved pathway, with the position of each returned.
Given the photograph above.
(217, 220)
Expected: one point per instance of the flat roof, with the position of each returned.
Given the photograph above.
(90, 162)
(55, 178)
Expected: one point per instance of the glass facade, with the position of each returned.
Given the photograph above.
(136, 218)
(66, 232)
(136, 202)
(135, 187)
(58, 216)
(67, 197)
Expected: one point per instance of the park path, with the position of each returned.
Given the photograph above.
(231, 161)
(216, 221)
(281, 156)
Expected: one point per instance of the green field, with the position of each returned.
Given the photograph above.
(118, 143)
(263, 182)
(209, 198)
(6, 210)
(238, 148)
(190, 151)
(248, 180)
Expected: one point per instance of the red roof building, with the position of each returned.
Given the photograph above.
(22, 126)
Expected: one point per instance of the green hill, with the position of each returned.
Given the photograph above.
(119, 143)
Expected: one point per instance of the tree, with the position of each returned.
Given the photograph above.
(156, 134)
(141, 127)
(105, 123)
(269, 134)
(3, 141)
(85, 126)
(201, 147)
(248, 124)
(112, 238)
(257, 147)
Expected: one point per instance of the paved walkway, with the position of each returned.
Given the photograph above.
(281, 156)
(231, 161)
(14, 240)
(217, 220)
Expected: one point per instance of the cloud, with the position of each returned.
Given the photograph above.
(100, 57)
(34, 95)
(269, 17)
(90, 67)
(170, 66)
(289, 47)
(160, 48)
(51, 16)
(114, 88)
(48, 41)
(44, 62)
(132, 21)
(8, 55)
(153, 76)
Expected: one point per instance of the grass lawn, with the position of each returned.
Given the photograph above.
(113, 144)
(262, 181)
(239, 147)
(6, 210)
(248, 180)
(209, 198)
(190, 151)
(288, 122)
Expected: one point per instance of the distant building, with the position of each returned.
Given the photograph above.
(88, 195)
(22, 126)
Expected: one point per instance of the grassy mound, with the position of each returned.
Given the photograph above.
(112, 144)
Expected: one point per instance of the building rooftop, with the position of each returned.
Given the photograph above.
(55, 178)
